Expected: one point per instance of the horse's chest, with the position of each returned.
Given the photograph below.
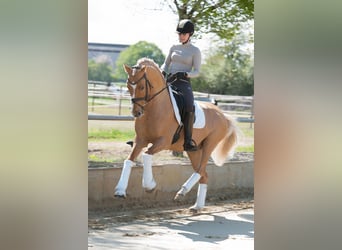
(153, 131)
(148, 131)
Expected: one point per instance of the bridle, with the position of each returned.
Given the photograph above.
(148, 86)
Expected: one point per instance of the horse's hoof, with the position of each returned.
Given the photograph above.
(119, 194)
(149, 190)
(130, 143)
(181, 193)
(195, 209)
(179, 197)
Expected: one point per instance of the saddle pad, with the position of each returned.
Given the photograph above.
(199, 113)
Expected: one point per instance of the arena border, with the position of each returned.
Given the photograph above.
(232, 180)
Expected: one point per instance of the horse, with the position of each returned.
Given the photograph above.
(155, 126)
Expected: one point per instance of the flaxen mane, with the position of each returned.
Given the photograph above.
(148, 62)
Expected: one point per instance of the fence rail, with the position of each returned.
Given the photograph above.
(111, 117)
(108, 95)
(131, 118)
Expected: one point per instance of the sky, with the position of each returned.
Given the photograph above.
(131, 21)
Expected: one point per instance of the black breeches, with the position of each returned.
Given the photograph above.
(186, 90)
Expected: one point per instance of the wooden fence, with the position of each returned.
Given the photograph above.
(109, 95)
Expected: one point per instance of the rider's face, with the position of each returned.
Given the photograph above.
(183, 37)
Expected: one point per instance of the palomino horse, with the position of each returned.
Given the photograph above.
(155, 125)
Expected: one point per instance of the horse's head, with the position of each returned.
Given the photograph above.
(144, 83)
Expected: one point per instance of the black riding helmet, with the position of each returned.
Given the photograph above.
(185, 26)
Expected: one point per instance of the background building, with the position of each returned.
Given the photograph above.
(102, 52)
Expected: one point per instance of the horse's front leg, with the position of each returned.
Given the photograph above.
(120, 189)
(148, 181)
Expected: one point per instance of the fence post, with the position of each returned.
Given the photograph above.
(93, 100)
(120, 100)
(252, 112)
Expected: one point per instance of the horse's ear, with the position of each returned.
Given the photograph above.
(127, 69)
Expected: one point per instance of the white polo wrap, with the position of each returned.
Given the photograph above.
(148, 182)
(123, 182)
(194, 178)
(201, 195)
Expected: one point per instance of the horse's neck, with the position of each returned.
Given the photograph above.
(162, 104)
(159, 109)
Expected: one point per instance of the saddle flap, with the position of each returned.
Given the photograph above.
(199, 113)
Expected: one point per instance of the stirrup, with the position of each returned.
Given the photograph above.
(190, 146)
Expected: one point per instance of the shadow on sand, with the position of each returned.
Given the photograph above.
(214, 228)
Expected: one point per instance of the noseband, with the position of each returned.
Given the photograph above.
(148, 86)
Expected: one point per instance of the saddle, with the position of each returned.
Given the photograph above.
(177, 100)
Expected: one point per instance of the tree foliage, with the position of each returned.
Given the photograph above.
(100, 71)
(221, 17)
(228, 70)
(134, 52)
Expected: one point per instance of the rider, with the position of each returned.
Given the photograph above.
(183, 62)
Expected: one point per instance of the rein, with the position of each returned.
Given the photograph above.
(146, 98)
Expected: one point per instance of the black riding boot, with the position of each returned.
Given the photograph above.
(189, 144)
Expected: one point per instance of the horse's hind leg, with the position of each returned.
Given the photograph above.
(200, 199)
(208, 146)
(194, 178)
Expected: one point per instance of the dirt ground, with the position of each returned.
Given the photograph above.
(114, 153)
(220, 225)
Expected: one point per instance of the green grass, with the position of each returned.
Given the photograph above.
(248, 132)
(247, 149)
(113, 134)
(125, 135)
(97, 159)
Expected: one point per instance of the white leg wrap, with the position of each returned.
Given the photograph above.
(194, 178)
(120, 189)
(148, 182)
(201, 194)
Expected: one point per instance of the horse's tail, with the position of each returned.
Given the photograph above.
(227, 145)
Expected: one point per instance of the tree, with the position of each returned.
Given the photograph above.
(134, 52)
(221, 17)
(228, 70)
(100, 71)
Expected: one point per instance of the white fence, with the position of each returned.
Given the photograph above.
(109, 95)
